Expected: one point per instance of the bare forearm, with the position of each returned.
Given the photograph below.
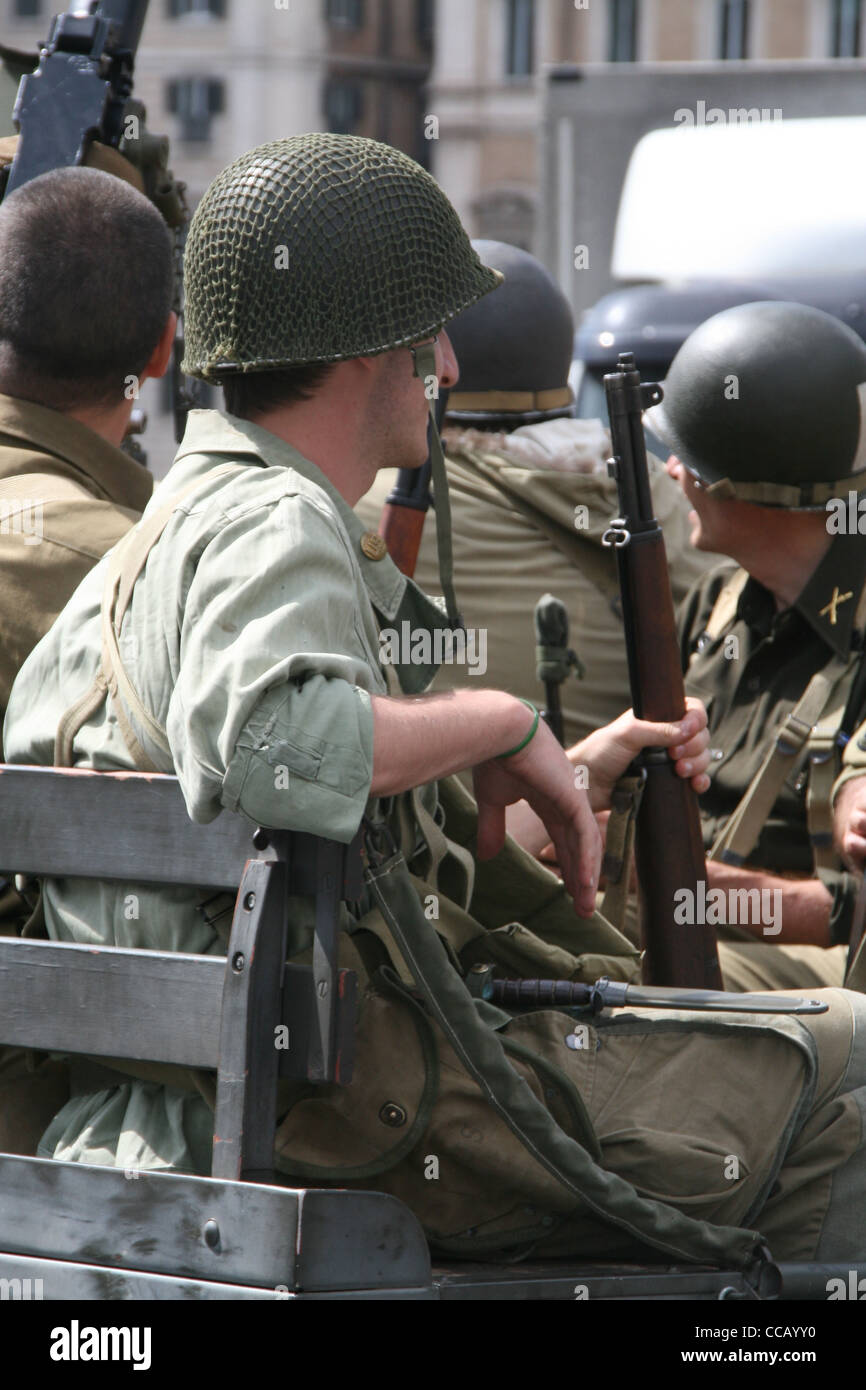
(792, 911)
(419, 739)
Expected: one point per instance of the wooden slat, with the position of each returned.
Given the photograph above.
(267, 1235)
(56, 996)
(111, 1002)
(246, 1114)
(128, 826)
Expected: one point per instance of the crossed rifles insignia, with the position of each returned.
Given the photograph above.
(829, 610)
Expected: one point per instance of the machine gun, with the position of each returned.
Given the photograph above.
(79, 90)
(669, 850)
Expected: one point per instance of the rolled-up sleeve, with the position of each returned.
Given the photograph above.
(271, 710)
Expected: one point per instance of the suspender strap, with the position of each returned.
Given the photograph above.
(738, 838)
(725, 606)
(125, 563)
(618, 847)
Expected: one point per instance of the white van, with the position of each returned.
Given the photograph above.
(743, 194)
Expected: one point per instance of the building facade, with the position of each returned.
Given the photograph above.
(220, 76)
(490, 54)
(455, 83)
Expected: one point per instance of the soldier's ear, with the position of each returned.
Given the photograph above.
(160, 358)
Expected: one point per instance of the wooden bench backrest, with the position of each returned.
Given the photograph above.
(228, 1014)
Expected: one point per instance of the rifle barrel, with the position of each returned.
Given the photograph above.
(669, 848)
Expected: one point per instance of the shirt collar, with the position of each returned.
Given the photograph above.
(34, 427)
(216, 432)
(827, 602)
(829, 598)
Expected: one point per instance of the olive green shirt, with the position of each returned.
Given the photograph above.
(750, 677)
(66, 497)
(253, 639)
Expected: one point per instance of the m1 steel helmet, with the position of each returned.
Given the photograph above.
(767, 402)
(320, 248)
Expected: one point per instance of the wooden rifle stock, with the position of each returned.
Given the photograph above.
(402, 522)
(403, 515)
(669, 849)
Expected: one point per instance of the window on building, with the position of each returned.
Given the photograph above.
(195, 100)
(733, 29)
(424, 18)
(178, 8)
(343, 105)
(623, 31)
(27, 9)
(846, 23)
(519, 38)
(349, 13)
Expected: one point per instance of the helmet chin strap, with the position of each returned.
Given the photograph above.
(424, 358)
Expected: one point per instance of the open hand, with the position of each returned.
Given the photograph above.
(541, 775)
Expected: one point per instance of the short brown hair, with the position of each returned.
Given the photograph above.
(86, 287)
(255, 393)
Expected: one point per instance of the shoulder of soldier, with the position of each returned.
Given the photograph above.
(286, 513)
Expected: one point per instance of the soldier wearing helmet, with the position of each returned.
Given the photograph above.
(764, 415)
(531, 498)
(241, 624)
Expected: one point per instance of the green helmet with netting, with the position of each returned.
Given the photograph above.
(767, 402)
(320, 248)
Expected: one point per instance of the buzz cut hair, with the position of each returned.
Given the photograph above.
(86, 288)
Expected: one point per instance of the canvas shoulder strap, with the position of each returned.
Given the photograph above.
(125, 563)
(725, 607)
(814, 721)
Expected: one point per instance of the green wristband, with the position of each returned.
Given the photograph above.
(529, 737)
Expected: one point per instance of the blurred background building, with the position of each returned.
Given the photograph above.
(222, 75)
(464, 86)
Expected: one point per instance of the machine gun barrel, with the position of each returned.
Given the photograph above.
(669, 850)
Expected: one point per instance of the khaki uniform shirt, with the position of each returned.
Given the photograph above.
(750, 678)
(540, 532)
(252, 637)
(66, 497)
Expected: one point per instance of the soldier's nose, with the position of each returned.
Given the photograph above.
(450, 373)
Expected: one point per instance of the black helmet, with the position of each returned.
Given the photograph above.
(514, 348)
(766, 402)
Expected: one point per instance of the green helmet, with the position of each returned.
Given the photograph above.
(514, 350)
(320, 248)
(766, 402)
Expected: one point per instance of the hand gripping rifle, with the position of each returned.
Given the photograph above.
(669, 849)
